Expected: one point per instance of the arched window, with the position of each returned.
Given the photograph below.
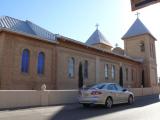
(41, 63)
(106, 72)
(86, 69)
(113, 72)
(25, 61)
(71, 65)
(142, 46)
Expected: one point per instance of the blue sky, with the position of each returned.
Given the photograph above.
(77, 18)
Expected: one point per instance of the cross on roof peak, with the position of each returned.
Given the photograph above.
(116, 44)
(137, 14)
(97, 25)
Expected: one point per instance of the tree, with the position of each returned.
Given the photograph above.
(80, 76)
(121, 77)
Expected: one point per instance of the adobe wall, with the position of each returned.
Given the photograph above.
(56, 64)
(11, 75)
(96, 65)
(1, 55)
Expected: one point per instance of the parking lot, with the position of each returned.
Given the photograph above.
(144, 108)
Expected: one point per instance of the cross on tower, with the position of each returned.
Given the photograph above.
(137, 14)
(97, 25)
(116, 44)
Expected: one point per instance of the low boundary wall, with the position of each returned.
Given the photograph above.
(145, 91)
(32, 98)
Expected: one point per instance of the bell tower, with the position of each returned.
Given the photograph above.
(139, 43)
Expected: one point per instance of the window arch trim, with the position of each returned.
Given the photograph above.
(25, 60)
(41, 63)
(71, 67)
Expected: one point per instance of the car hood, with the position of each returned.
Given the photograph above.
(129, 92)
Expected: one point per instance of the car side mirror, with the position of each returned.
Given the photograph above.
(124, 90)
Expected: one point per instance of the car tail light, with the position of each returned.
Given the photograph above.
(96, 93)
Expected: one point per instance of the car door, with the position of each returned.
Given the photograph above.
(122, 95)
(111, 91)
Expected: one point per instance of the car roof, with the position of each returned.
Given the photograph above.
(104, 83)
(107, 83)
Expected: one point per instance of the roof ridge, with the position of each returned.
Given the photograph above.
(30, 27)
(40, 31)
(27, 21)
(143, 24)
(101, 35)
(5, 16)
(98, 32)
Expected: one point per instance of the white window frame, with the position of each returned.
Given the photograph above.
(71, 67)
(106, 71)
(113, 72)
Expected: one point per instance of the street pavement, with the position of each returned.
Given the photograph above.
(144, 108)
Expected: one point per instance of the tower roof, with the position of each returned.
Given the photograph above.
(25, 27)
(137, 28)
(97, 37)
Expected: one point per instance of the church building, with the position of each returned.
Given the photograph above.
(31, 56)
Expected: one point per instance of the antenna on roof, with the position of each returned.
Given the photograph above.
(137, 14)
(97, 25)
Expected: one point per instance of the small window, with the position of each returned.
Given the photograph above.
(41, 63)
(86, 69)
(142, 46)
(25, 61)
(106, 72)
(71, 65)
(113, 72)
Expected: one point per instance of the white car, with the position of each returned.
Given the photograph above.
(105, 94)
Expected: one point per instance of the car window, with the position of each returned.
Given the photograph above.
(111, 87)
(98, 86)
(119, 88)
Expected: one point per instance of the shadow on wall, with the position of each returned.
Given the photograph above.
(79, 113)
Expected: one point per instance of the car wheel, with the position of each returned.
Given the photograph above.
(130, 100)
(86, 105)
(109, 102)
